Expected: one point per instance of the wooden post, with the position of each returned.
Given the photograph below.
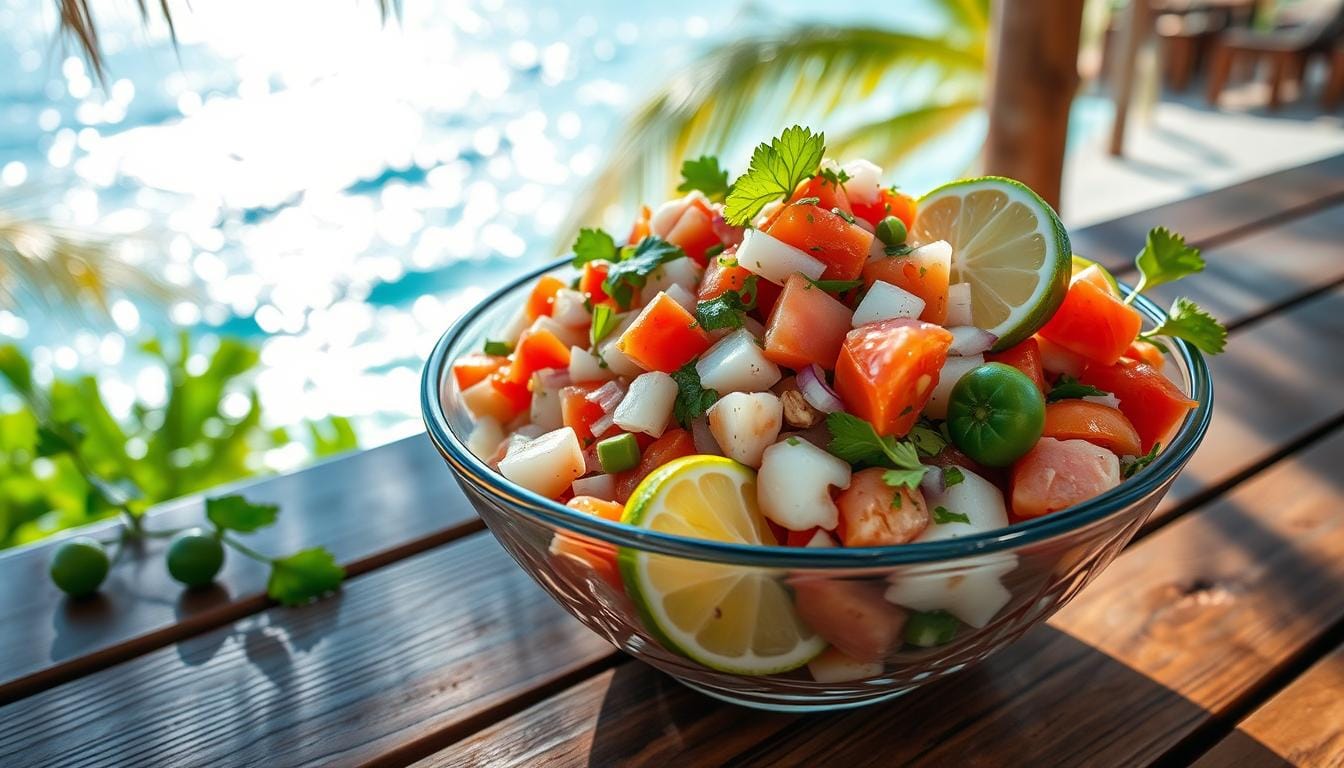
(1033, 77)
(1131, 38)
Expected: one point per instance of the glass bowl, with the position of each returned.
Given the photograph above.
(967, 596)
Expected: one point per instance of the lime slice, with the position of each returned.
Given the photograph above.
(729, 618)
(1087, 269)
(1008, 244)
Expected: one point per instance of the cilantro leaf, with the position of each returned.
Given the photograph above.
(943, 516)
(927, 440)
(304, 575)
(1164, 258)
(235, 513)
(1187, 320)
(833, 176)
(902, 249)
(726, 310)
(692, 397)
(833, 286)
(604, 322)
(774, 172)
(704, 174)
(952, 476)
(855, 441)
(636, 264)
(1067, 387)
(594, 244)
(907, 478)
(1130, 468)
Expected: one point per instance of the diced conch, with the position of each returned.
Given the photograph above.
(647, 406)
(736, 363)
(775, 261)
(666, 216)
(820, 540)
(745, 424)
(586, 367)
(545, 410)
(483, 399)
(683, 272)
(546, 465)
(569, 310)
(976, 498)
(953, 369)
(959, 304)
(850, 615)
(794, 485)
(572, 337)
(865, 182)
(885, 301)
(682, 296)
(485, 437)
(970, 589)
(617, 361)
(832, 666)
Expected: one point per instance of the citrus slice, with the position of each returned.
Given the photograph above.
(1087, 269)
(1008, 244)
(730, 618)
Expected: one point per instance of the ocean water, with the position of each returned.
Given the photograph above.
(336, 189)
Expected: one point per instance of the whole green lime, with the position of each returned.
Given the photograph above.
(79, 566)
(995, 414)
(195, 557)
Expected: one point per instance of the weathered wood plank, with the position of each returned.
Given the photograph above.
(1302, 725)
(404, 660)
(369, 509)
(1180, 629)
(1220, 215)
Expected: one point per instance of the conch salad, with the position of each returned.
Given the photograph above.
(809, 357)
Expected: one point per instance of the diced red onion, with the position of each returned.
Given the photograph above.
(601, 425)
(728, 234)
(968, 340)
(553, 378)
(702, 438)
(607, 397)
(933, 481)
(819, 395)
(602, 486)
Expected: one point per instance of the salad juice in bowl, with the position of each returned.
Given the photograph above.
(804, 442)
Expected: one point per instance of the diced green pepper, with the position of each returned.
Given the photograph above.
(619, 453)
(500, 348)
(929, 628)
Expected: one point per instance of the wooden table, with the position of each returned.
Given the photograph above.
(1217, 637)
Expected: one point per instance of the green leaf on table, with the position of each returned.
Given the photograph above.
(1165, 258)
(1187, 320)
(235, 513)
(593, 244)
(704, 174)
(304, 576)
(774, 172)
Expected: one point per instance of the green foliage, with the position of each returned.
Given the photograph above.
(65, 460)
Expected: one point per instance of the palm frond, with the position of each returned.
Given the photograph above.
(891, 140)
(54, 268)
(77, 21)
(750, 88)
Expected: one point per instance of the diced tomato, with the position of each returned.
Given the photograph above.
(1096, 423)
(926, 278)
(1093, 323)
(1148, 399)
(829, 195)
(889, 203)
(664, 337)
(590, 282)
(537, 349)
(577, 411)
(723, 274)
(1056, 474)
(1056, 359)
(826, 237)
(807, 325)
(694, 231)
(854, 616)
(871, 515)
(1145, 352)
(1025, 356)
(674, 444)
(767, 294)
(517, 394)
(471, 368)
(640, 230)
(887, 371)
(542, 299)
(597, 555)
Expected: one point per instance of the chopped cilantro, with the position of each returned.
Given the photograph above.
(635, 265)
(942, 516)
(833, 176)
(692, 398)
(904, 478)
(728, 308)
(952, 476)
(834, 286)
(842, 213)
(793, 441)
(1067, 388)
(855, 441)
(898, 250)
(927, 440)
(604, 322)
(1128, 469)
(807, 201)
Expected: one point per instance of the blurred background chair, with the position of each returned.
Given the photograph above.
(1295, 36)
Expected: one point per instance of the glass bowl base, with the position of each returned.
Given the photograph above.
(797, 704)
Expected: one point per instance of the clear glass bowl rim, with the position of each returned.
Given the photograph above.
(552, 513)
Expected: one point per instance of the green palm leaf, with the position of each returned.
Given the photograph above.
(852, 80)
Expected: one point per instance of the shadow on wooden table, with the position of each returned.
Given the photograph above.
(647, 718)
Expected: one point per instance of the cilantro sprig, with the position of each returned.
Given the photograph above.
(1187, 320)
(1130, 468)
(693, 399)
(632, 269)
(855, 441)
(1166, 258)
(775, 171)
(705, 174)
(728, 308)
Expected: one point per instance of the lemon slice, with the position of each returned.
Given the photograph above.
(1008, 244)
(729, 618)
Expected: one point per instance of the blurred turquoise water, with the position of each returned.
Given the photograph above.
(336, 190)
